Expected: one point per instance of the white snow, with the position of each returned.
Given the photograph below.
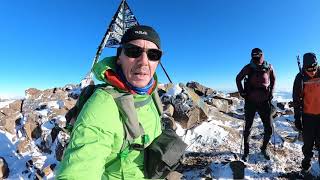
(5, 103)
(56, 104)
(176, 89)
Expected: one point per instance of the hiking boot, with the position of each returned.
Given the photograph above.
(265, 154)
(244, 157)
(306, 173)
(306, 166)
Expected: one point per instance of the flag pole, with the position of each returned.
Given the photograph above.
(164, 70)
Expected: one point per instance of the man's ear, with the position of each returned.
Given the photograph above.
(119, 49)
(118, 61)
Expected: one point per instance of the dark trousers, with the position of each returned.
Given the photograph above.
(264, 110)
(311, 137)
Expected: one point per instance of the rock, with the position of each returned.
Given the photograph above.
(16, 105)
(188, 119)
(4, 169)
(166, 87)
(200, 89)
(221, 104)
(290, 104)
(54, 133)
(59, 151)
(63, 140)
(57, 112)
(69, 103)
(32, 128)
(197, 101)
(8, 111)
(169, 122)
(281, 105)
(48, 170)
(23, 146)
(174, 175)
(70, 87)
(32, 93)
(235, 94)
(8, 123)
(168, 109)
(288, 112)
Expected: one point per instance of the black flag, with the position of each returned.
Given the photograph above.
(121, 21)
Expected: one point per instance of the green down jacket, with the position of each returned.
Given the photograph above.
(97, 137)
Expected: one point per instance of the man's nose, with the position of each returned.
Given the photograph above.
(144, 58)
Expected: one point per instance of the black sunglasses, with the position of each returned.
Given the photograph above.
(311, 69)
(134, 51)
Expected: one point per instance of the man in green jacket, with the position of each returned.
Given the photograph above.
(98, 134)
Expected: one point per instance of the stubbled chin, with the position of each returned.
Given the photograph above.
(139, 80)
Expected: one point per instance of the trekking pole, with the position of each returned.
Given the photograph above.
(165, 72)
(184, 154)
(274, 138)
(302, 83)
(195, 139)
(272, 109)
(241, 134)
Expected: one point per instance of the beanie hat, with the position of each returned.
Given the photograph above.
(309, 60)
(141, 32)
(256, 52)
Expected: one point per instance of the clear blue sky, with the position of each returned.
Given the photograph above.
(51, 43)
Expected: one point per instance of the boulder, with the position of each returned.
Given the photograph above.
(48, 170)
(190, 118)
(16, 105)
(200, 89)
(59, 151)
(221, 104)
(4, 169)
(23, 146)
(169, 122)
(288, 112)
(290, 104)
(8, 123)
(189, 109)
(235, 94)
(32, 128)
(168, 109)
(32, 93)
(174, 175)
(281, 105)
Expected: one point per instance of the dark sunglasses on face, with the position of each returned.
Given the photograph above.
(134, 51)
(312, 68)
(256, 55)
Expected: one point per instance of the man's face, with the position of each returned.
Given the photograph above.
(258, 59)
(311, 71)
(138, 71)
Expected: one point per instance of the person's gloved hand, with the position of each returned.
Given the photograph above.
(298, 124)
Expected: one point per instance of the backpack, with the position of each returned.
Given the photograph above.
(253, 70)
(162, 156)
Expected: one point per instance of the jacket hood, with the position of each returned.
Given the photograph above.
(109, 65)
(100, 68)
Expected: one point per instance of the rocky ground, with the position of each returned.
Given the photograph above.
(33, 134)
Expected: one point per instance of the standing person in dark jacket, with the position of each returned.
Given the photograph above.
(306, 101)
(259, 81)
